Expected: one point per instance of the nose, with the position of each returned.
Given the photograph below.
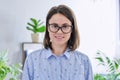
(60, 30)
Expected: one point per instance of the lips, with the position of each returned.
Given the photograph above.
(59, 37)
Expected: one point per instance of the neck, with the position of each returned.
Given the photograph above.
(58, 50)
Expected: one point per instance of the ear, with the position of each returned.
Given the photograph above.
(50, 40)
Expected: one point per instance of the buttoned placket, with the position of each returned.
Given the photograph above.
(59, 67)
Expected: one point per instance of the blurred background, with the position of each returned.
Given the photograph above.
(98, 22)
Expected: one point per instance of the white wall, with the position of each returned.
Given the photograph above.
(118, 30)
(96, 20)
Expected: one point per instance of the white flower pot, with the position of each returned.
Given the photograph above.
(35, 37)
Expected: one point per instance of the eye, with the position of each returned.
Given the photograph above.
(54, 26)
(65, 26)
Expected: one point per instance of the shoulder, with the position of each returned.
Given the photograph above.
(36, 53)
(81, 56)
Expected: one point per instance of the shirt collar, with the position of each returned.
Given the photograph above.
(67, 53)
(49, 53)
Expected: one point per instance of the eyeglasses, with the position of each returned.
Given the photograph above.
(64, 28)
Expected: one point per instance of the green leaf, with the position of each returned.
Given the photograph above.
(41, 29)
(34, 21)
(111, 67)
(100, 59)
(29, 28)
(5, 68)
(117, 76)
(35, 26)
(40, 23)
(32, 25)
(98, 53)
(33, 30)
(116, 65)
(99, 77)
(108, 59)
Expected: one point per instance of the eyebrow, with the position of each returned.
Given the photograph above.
(58, 24)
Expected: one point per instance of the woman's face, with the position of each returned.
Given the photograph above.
(61, 36)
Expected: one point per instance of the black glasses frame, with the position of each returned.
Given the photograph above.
(60, 28)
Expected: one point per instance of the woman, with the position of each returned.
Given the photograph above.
(59, 60)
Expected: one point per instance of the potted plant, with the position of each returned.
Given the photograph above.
(36, 27)
(14, 69)
(112, 67)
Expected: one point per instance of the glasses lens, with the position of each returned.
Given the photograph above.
(66, 28)
(53, 27)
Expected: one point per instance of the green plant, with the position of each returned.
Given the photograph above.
(112, 67)
(35, 26)
(14, 70)
(99, 77)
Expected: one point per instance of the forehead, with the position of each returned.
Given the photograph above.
(59, 19)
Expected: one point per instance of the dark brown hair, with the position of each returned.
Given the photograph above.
(74, 40)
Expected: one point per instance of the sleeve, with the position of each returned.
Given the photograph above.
(28, 69)
(89, 72)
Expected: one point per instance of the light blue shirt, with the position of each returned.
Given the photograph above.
(44, 65)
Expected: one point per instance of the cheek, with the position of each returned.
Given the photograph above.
(51, 35)
(68, 36)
